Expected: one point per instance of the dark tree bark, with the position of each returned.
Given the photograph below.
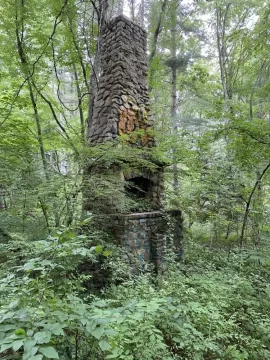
(256, 185)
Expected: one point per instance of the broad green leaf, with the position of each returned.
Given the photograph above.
(14, 304)
(116, 352)
(4, 347)
(90, 327)
(110, 332)
(98, 332)
(17, 344)
(107, 253)
(30, 353)
(98, 249)
(66, 236)
(69, 234)
(42, 337)
(86, 221)
(29, 265)
(29, 344)
(49, 352)
(56, 329)
(104, 345)
(8, 315)
(36, 357)
(46, 262)
(30, 333)
(152, 338)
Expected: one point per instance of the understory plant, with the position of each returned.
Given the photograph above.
(193, 311)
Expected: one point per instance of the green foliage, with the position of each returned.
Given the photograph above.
(213, 306)
(208, 313)
(39, 306)
(194, 311)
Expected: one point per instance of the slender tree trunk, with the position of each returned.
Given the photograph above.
(79, 97)
(220, 51)
(132, 9)
(256, 185)
(39, 131)
(31, 86)
(102, 14)
(174, 94)
(222, 56)
(154, 45)
(256, 220)
(25, 67)
(93, 87)
(142, 10)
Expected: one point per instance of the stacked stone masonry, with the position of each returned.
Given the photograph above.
(121, 105)
(142, 236)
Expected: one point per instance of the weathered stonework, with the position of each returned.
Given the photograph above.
(140, 234)
(121, 105)
(144, 237)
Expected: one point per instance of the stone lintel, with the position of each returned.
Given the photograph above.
(144, 215)
(133, 216)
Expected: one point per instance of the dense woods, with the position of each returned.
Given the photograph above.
(67, 290)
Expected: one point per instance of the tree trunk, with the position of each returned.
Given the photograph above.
(256, 185)
(174, 94)
(220, 35)
(102, 14)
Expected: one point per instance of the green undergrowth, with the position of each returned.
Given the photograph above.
(210, 308)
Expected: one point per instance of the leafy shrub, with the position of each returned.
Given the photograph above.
(193, 311)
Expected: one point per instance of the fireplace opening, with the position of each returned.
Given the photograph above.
(139, 187)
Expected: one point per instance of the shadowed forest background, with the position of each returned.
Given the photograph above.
(67, 290)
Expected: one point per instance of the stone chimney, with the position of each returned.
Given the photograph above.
(121, 106)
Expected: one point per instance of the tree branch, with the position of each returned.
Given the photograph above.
(249, 202)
